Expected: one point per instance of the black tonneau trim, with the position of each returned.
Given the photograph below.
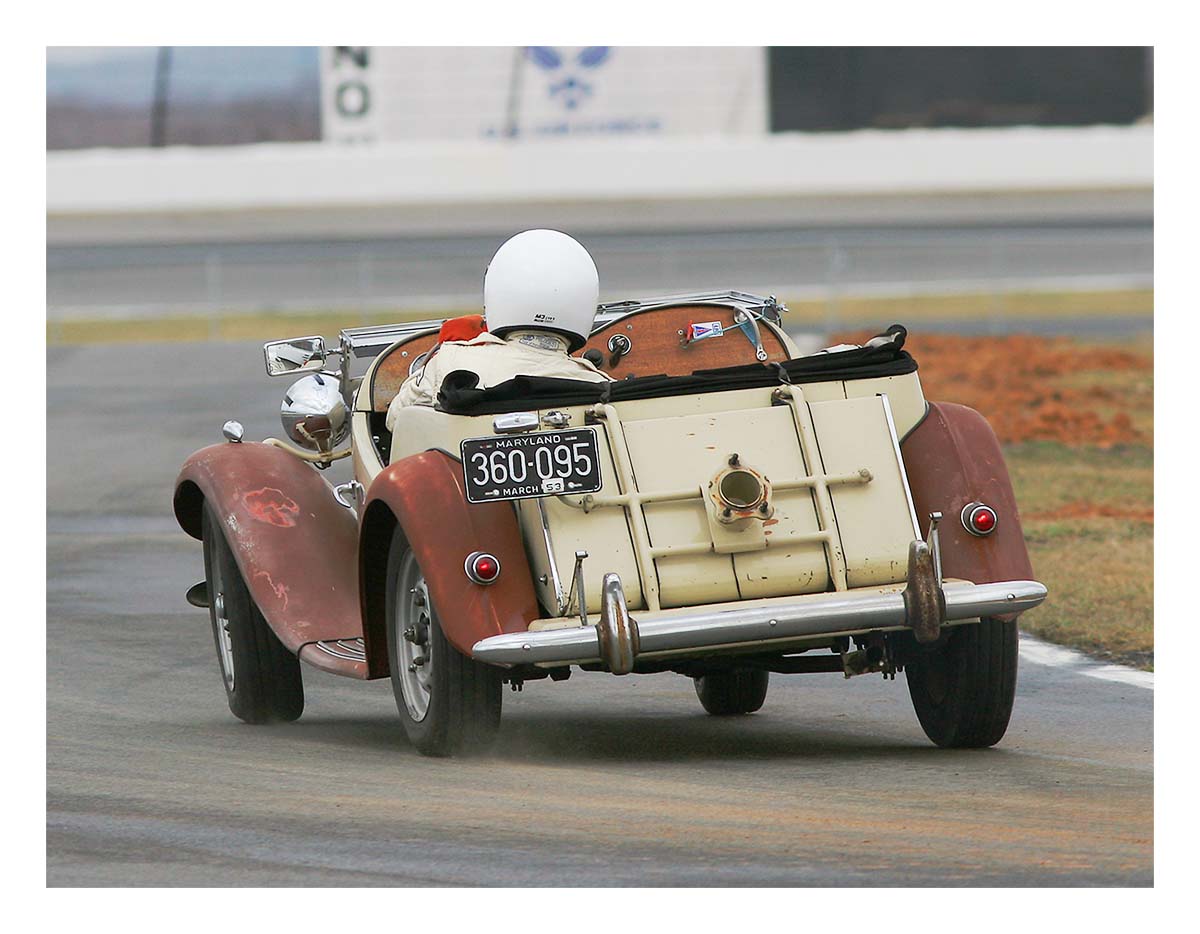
(460, 395)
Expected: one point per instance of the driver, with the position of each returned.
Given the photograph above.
(539, 299)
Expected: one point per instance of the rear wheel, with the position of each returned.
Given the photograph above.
(448, 702)
(262, 678)
(963, 690)
(734, 692)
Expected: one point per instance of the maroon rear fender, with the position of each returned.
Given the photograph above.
(296, 547)
(953, 458)
(424, 493)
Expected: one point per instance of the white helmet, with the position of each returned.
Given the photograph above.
(542, 279)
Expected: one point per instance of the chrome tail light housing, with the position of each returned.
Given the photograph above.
(979, 519)
(482, 568)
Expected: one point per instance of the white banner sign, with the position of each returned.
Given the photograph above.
(387, 94)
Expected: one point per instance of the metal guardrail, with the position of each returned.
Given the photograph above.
(445, 275)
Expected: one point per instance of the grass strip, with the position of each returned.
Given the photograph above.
(265, 325)
(1087, 514)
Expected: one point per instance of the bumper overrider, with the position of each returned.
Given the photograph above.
(617, 640)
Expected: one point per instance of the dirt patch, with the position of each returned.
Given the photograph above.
(1033, 388)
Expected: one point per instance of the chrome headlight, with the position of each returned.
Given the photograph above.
(314, 414)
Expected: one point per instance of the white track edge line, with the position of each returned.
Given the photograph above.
(1039, 652)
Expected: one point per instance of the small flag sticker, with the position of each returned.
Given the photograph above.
(704, 329)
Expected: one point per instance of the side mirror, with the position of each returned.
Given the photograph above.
(298, 355)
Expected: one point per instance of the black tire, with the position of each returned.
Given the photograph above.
(465, 696)
(266, 682)
(732, 693)
(963, 690)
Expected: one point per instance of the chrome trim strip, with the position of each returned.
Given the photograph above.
(891, 423)
(340, 648)
(741, 301)
(561, 608)
(731, 624)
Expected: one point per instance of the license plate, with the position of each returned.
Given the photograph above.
(527, 465)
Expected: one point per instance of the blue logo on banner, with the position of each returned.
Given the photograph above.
(571, 89)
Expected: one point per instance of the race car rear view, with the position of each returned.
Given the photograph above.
(726, 509)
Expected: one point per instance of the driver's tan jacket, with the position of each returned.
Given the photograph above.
(495, 360)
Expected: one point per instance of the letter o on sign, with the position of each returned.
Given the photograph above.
(353, 99)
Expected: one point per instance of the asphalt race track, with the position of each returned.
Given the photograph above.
(600, 780)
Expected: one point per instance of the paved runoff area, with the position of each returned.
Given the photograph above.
(596, 781)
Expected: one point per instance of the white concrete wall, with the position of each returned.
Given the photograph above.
(864, 177)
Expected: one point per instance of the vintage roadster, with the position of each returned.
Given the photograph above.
(726, 508)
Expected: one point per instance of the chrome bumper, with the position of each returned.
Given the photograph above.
(617, 640)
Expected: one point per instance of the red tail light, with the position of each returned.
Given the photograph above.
(979, 519)
(482, 568)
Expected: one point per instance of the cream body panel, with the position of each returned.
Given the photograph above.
(686, 580)
(674, 453)
(421, 428)
(903, 392)
(685, 452)
(730, 400)
(671, 406)
(874, 520)
(823, 392)
(362, 401)
(602, 533)
(367, 465)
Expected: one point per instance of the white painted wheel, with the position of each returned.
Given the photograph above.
(221, 626)
(262, 679)
(449, 703)
(413, 652)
